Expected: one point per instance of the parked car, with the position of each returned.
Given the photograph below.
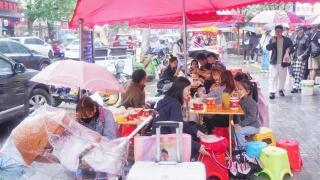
(36, 44)
(18, 95)
(22, 54)
(71, 51)
(124, 40)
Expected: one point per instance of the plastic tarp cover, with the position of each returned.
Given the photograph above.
(48, 143)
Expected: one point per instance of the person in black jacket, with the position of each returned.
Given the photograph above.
(300, 57)
(170, 109)
(168, 75)
(279, 46)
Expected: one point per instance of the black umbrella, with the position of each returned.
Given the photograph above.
(193, 53)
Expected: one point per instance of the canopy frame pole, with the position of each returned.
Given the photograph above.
(81, 53)
(185, 48)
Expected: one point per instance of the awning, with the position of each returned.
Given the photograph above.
(103, 12)
(10, 14)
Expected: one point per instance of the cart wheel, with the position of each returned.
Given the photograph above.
(112, 99)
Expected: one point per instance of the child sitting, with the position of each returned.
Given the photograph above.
(249, 124)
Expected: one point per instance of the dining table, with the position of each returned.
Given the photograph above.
(219, 110)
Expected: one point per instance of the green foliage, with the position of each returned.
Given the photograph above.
(49, 10)
(251, 11)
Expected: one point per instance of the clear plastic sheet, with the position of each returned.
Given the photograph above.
(48, 143)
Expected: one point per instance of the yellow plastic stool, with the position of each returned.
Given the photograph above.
(266, 136)
(276, 163)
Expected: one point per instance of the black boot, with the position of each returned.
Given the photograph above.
(281, 93)
(272, 96)
(294, 90)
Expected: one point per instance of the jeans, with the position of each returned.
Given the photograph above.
(265, 60)
(241, 134)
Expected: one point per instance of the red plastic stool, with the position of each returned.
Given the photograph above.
(214, 166)
(292, 147)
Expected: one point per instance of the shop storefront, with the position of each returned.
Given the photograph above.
(10, 15)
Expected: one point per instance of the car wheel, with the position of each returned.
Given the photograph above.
(50, 54)
(43, 65)
(38, 98)
(112, 99)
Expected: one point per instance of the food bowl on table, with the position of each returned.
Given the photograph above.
(197, 106)
(234, 103)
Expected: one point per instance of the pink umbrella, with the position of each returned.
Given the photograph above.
(276, 17)
(314, 19)
(78, 74)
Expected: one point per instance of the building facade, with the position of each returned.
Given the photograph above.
(10, 15)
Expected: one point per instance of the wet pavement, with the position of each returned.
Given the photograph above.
(292, 117)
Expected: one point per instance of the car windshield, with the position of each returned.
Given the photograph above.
(118, 52)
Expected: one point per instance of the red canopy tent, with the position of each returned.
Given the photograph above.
(194, 20)
(102, 12)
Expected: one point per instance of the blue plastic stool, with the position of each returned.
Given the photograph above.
(254, 148)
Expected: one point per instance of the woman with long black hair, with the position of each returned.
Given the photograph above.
(170, 109)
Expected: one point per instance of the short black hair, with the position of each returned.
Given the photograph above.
(201, 57)
(279, 27)
(214, 55)
(138, 75)
(176, 90)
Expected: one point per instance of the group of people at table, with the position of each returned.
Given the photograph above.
(215, 80)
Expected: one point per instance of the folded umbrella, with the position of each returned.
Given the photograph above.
(78, 74)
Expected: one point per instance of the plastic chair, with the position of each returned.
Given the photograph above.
(254, 148)
(266, 136)
(214, 166)
(292, 147)
(276, 163)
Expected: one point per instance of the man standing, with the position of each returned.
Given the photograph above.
(314, 61)
(300, 57)
(279, 45)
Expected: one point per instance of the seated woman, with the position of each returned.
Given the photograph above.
(194, 67)
(168, 75)
(95, 117)
(249, 124)
(227, 85)
(170, 109)
(134, 95)
(216, 78)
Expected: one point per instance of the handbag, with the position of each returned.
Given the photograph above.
(243, 166)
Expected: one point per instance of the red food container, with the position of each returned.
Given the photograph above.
(140, 111)
(211, 101)
(197, 106)
(132, 116)
(234, 103)
(146, 113)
